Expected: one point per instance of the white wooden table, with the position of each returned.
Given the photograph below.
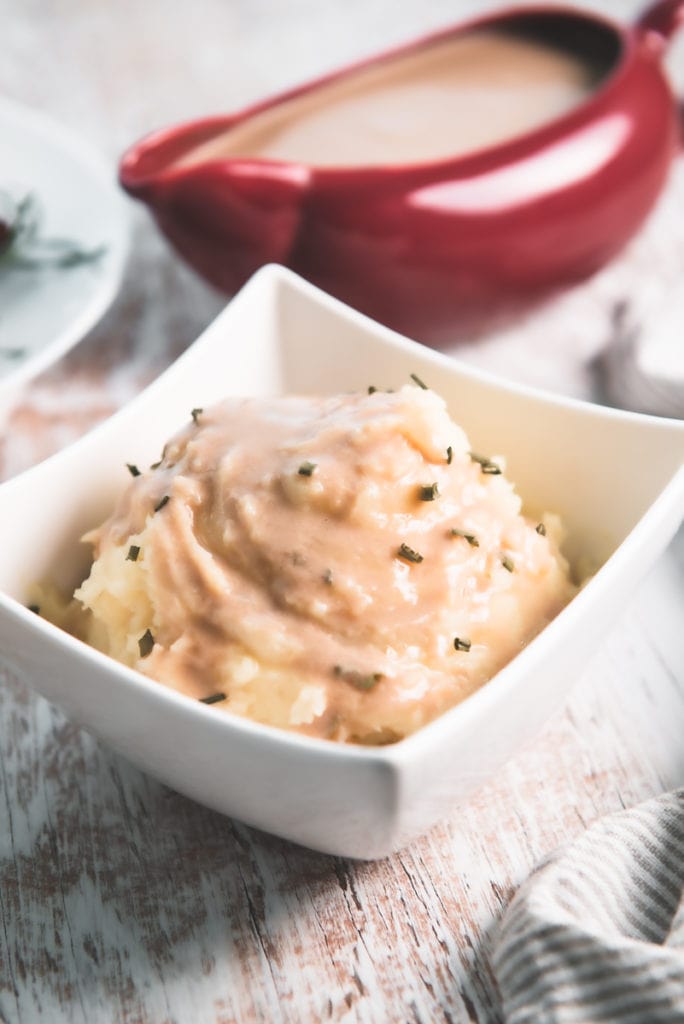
(121, 901)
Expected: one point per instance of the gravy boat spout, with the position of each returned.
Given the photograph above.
(226, 217)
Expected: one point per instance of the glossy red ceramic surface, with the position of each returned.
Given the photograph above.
(435, 249)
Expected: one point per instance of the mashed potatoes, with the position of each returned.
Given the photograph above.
(345, 566)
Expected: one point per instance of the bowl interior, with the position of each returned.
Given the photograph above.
(600, 469)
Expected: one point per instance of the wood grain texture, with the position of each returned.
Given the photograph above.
(122, 902)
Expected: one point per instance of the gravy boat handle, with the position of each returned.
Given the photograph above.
(662, 19)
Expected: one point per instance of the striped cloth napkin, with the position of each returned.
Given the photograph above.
(597, 932)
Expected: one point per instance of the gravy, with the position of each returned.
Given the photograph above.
(342, 566)
(450, 98)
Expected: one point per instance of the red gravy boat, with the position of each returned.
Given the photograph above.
(434, 227)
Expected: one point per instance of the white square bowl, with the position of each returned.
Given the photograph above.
(616, 478)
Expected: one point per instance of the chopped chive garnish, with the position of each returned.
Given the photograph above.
(307, 468)
(214, 698)
(416, 380)
(541, 529)
(470, 537)
(145, 643)
(133, 470)
(161, 503)
(328, 577)
(429, 492)
(507, 563)
(360, 680)
(196, 413)
(450, 455)
(486, 465)
(409, 554)
(461, 644)
(156, 465)
(133, 553)
(35, 608)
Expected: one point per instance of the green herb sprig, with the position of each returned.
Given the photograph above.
(23, 248)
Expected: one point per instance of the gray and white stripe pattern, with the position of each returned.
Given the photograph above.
(597, 932)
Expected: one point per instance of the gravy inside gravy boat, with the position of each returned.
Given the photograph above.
(463, 94)
(438, 187)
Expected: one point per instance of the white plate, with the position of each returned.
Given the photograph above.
(617, 478)
(44, 312)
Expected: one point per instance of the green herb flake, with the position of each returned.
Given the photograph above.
(486, 465)
(133, 553)
(507, 563)
(541, 529)
(146, 643)
(307, 469)
(35, 608)
(470, 537)
(214, 698)
(133, 470)
(461, 644)
(450, 455)
(409, 554)
(416, 380)
(196, 413)
(156, 465)
(357, 679)
(428, 492)
(160, 505)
